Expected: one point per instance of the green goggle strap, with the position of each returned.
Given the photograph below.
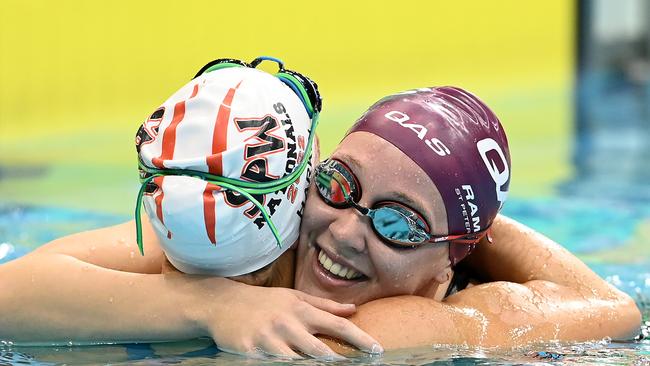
(245, 192)
(280, 75)
(222, 65)
(251, 187)
(303, 93)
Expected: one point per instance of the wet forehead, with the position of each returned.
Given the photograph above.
(385, 173)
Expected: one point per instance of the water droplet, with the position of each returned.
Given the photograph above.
(110, 299)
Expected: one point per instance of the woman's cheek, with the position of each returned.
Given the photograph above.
(316, 213)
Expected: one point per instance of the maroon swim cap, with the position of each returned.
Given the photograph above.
(458, 142)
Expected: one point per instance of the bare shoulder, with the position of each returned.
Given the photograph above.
(111, 247)
(539, 310)
(533, 290)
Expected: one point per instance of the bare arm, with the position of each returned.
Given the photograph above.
(95, 287)
(541, 292)
(520, 254)
(496, 314)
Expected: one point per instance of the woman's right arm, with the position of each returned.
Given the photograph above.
(95, 287)
(91, 287)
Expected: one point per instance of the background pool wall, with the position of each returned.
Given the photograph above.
(78, 77)
(612, 98)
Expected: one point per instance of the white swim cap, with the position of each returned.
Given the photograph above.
(239, 123)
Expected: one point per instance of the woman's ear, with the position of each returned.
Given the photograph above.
(437, 287)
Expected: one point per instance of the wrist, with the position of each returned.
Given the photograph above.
(204, 301)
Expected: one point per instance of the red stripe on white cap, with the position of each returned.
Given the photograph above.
(209, 214)
(169, 136)
(220, 133)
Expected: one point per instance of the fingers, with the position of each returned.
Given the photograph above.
(345, 330)
(330, 306)
(269, 346)
(277, 347)
(308, 344)
(329, 320)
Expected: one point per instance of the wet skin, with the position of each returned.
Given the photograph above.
(347, 237)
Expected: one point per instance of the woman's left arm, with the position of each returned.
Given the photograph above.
(538, 291)
(520, 254)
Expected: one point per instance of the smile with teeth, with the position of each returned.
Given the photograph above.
(337, 269)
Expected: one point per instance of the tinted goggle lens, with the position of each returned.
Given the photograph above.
(393, 222)
(333, 185)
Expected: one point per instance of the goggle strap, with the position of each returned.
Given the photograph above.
(209, 178)
(468, 239)
(252, 187)
(138, 206)
(257, 203)
(364, 210)
(294, 83)
(221, 66)
(259, 60)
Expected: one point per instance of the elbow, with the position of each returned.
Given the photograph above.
(625, 319)
(5, 281)
(630, 318)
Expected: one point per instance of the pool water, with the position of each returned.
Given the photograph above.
(200, 353)
(611, 241)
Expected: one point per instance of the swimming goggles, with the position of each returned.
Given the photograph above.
(395, 223)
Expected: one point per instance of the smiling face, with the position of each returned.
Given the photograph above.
(340, 256)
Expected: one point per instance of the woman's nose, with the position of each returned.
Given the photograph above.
(350, 230)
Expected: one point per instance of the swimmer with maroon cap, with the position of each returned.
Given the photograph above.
(410, 192)
(410, 196)
(429, 169)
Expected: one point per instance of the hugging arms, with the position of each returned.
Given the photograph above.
(87, 287)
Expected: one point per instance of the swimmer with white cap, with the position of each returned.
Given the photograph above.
(208, 151)
(224, 164)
